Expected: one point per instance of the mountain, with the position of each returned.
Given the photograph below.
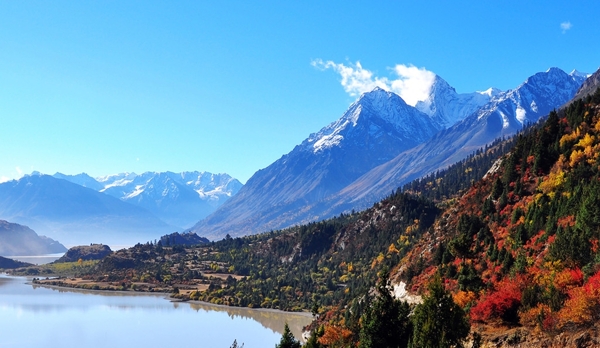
(11, 264)
(503, 116)
(17, 240)
(180, 199)
(375, 128)
(292, 191)
(74, 214)
(589, 86)
(446, 107)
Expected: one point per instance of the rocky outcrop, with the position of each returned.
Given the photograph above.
(189, 238)
(85, 252)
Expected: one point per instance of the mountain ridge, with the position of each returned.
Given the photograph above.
(504, 114)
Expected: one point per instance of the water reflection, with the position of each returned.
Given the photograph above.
(269, 319)
(126, 319)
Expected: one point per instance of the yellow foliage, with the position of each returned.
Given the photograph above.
(554, 180)
(588, 140)
(567, 138)
(576, 157)
(597, 126)
(392, 249)
(350, 267)
(379, 259)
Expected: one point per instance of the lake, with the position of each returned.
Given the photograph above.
(34, 316)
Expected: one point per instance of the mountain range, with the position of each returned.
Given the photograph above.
(75, 215)
(121, 209)
(378, 144)
(179, 199)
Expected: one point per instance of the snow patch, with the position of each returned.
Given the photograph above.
(521, 114)
(533, 106)
(138, 190)
(505, 122)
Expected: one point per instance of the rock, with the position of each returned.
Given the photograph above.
(85, 253)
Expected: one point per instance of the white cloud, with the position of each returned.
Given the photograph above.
(4, 179)
(412, 84)
(18, 169)
(565, 26)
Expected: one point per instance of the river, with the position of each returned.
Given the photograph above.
(34, 316)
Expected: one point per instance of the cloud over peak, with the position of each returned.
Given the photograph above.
(411, 83)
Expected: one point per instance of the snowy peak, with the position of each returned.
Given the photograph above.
(378, 111)
(536, 97)
(491, 92)
(180, 199)
(446, 107)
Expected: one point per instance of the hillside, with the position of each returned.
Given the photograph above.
(521, 246)
(18, 240)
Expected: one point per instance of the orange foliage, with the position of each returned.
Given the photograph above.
(566, 221)
(568, 279)
(583, 305)
(540, 317)
(335, 336)
(463, 298)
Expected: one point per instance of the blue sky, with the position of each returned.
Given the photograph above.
(230, 86)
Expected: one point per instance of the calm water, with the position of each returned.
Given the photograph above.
(37, 260)
(42, 317)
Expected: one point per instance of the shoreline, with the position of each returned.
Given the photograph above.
(165, 295)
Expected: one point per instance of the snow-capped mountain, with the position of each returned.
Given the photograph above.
(76, 215)
(379, 144)
(446, 107)
(589, 86)
(374, 129)
(504, 115)
(180, 199)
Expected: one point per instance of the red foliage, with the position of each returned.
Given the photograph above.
(566, 221)
(500, 304)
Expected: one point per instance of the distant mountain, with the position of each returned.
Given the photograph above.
(6, 263)
(74, 214)
(334, 171)
(377, 127)
(180, 199)
(18, 240)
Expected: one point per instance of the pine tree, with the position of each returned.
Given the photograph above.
(287, 339)
(385, 323)
(438, 321)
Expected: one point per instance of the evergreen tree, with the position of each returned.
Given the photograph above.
(385, 323)
(438, 321)
(287, 339)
